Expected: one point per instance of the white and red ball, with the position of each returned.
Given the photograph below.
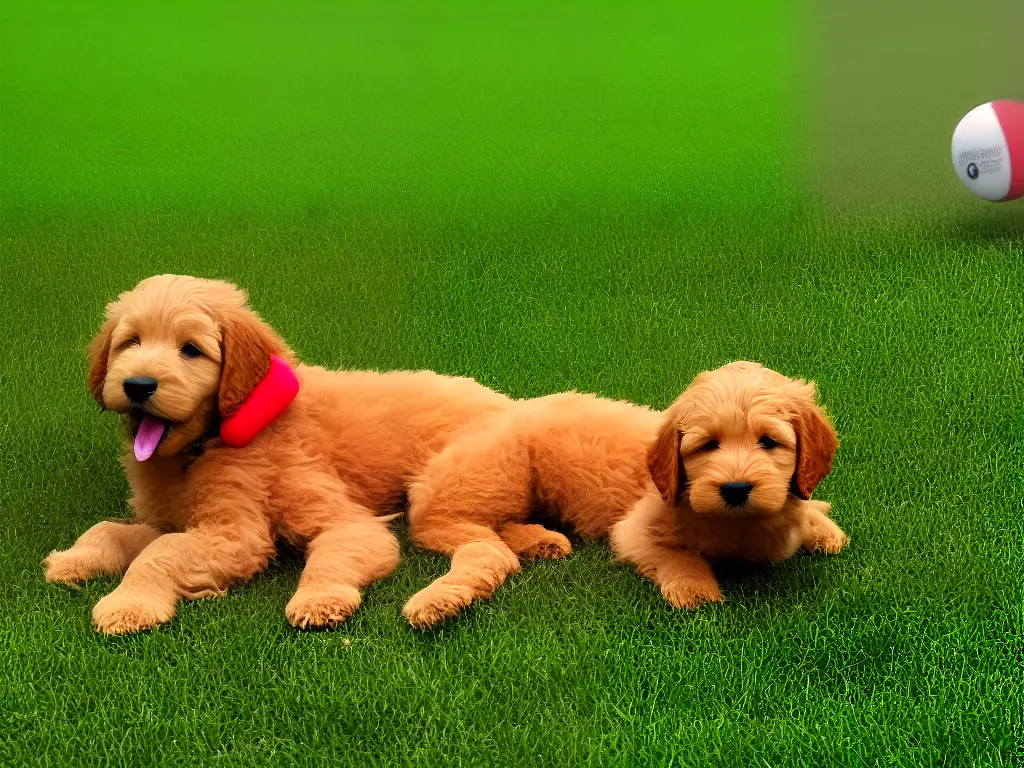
(988, 150)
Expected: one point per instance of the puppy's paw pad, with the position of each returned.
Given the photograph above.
(69, 567)
(688, 595)
(435, 603)
(553, 547)
(322, 607)
(119, 615)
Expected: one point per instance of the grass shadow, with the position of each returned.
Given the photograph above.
(993, 224)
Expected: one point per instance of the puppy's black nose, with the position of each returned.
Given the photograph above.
(139, 388)
(735, 494)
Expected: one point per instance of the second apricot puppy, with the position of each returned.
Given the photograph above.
(726, 471)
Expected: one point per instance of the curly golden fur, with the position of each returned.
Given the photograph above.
(208, 516)
(653, 483)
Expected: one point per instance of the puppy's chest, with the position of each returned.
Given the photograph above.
(757, 540)
(161, 495)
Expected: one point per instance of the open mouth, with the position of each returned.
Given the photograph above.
(149, 431)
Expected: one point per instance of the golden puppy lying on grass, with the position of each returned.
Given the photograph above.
(726, 472)
(177, 356)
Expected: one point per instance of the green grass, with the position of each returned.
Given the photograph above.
(544, 198)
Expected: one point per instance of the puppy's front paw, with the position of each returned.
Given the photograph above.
(823, 507)
(827, 542)
(71, 566)
(322, 607)
(825, 537)
(691, 593)
(121, 613)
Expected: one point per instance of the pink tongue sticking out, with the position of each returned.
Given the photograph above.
(148, 437)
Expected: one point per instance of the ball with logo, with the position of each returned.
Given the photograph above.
(988, 150)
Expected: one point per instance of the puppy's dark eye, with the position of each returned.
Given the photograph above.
(188, 349)
(767, 443)
(710, 445)
(132, 342)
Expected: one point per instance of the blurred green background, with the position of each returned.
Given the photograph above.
(544, 196)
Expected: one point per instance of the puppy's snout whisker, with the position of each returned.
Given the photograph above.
(736, 494)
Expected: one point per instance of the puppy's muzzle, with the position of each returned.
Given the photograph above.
(736, 494)
(139, 388)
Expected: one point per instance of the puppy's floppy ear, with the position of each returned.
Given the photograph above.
(816, 444)
(99, 351)
(247, 345)
(664, 461)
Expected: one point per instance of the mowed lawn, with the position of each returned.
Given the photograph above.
(599, 198)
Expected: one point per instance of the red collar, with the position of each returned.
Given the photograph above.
(265, 403)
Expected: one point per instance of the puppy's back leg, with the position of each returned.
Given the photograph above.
(474, 488)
